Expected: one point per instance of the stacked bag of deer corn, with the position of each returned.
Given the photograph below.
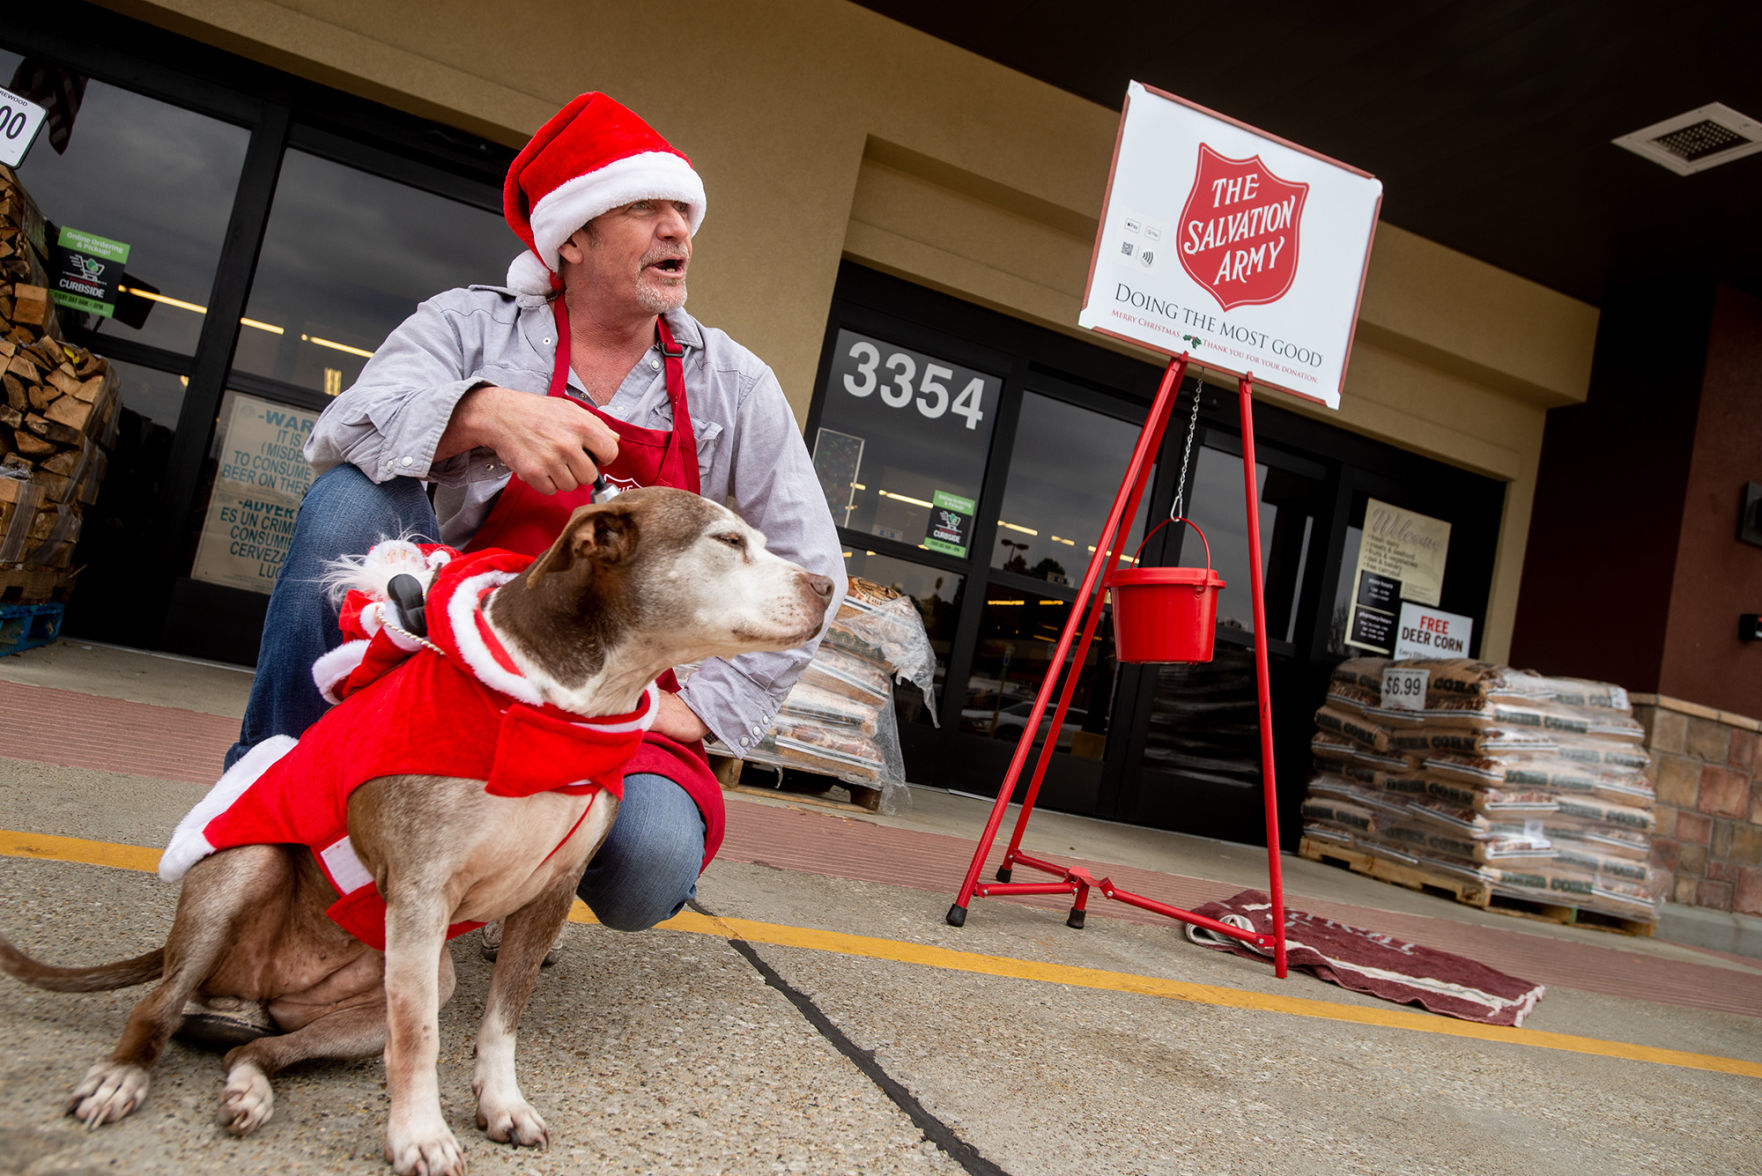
(1535, 785)
(839, 720)
(57, 417)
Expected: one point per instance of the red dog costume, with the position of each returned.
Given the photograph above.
(461, 710)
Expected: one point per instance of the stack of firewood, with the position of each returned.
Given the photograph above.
(57, 419)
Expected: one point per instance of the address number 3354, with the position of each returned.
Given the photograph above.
(901, 385)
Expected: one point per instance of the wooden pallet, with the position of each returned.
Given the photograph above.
(766, 781)
(1469, 891)
(26, 626)
(30, 584)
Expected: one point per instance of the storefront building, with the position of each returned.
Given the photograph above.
(900, 228)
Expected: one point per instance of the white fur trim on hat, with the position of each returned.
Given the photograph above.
(528, 275)
(649, 175)
(188, 844)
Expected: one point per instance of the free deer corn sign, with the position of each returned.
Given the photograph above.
(1246, 251)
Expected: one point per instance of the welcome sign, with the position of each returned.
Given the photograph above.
(1239, 248)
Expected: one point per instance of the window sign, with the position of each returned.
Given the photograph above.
(85, 270)
(895, 379)
(838, 462)
(1430, 632)
(1400, 558)
(258, 484)
(899, 427)
(951, 524)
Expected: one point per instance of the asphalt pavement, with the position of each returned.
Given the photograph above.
(815, 1013)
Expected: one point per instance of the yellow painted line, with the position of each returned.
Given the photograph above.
(128, 857)
(77, 849)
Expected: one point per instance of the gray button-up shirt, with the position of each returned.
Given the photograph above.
(750, 453)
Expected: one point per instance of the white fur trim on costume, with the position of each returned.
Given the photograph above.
(462, 607)
(188, 844)
(333, 669)
(344, 866)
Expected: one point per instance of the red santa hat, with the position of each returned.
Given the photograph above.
(594, 155)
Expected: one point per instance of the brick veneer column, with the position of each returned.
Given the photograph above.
(1707, 846)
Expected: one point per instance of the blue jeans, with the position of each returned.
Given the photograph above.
(648, 867)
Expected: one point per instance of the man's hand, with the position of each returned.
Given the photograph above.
(675, 720)
(550, 442)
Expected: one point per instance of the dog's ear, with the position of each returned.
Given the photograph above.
(603, 532)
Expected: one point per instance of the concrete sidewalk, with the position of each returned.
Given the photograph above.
(817, 1014)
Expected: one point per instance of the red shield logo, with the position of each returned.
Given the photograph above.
(1238, 235)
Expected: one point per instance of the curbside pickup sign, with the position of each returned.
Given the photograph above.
(84, 271)
(1237, 247)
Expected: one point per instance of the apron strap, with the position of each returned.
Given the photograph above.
(684, 439)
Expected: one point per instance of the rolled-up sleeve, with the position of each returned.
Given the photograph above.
(773, 486)
(389, 422)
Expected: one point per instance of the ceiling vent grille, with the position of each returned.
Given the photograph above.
(1702, 138)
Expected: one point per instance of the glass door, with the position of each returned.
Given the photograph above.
(1197, 764)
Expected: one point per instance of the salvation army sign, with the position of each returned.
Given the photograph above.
(1239, 230)
(1239, 248)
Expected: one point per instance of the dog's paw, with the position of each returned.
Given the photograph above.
(433, 1151)
(247, 1102)
(514, 1122)
(109, 1091)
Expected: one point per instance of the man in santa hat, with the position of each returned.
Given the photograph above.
(511, 402)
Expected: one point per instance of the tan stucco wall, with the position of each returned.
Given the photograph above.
(825, 131)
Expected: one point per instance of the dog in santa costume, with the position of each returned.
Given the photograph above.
(453, 704)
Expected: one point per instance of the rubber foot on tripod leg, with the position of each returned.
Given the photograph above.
(957, 915)
(1076, 919)
(1003, 873)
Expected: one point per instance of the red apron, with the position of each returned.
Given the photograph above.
(527, 521)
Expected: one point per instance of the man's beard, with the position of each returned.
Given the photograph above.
(659, 299)
(654, 294)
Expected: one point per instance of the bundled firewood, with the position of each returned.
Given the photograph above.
(57, 414)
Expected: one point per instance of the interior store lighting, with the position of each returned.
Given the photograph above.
(1123, 558)
(335, 346)
(180, 304)
(1006, 602)
(904, 498)
(1018, 527)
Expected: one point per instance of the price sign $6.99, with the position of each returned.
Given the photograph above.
(1404, 689)
(893, 374)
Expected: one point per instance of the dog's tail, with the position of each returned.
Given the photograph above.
(103, 978)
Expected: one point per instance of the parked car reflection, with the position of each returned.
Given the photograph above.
(1010, 721)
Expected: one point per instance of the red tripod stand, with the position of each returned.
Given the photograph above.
(1085, 614)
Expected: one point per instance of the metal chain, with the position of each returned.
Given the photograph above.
(416, 637)
(1178, 510)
